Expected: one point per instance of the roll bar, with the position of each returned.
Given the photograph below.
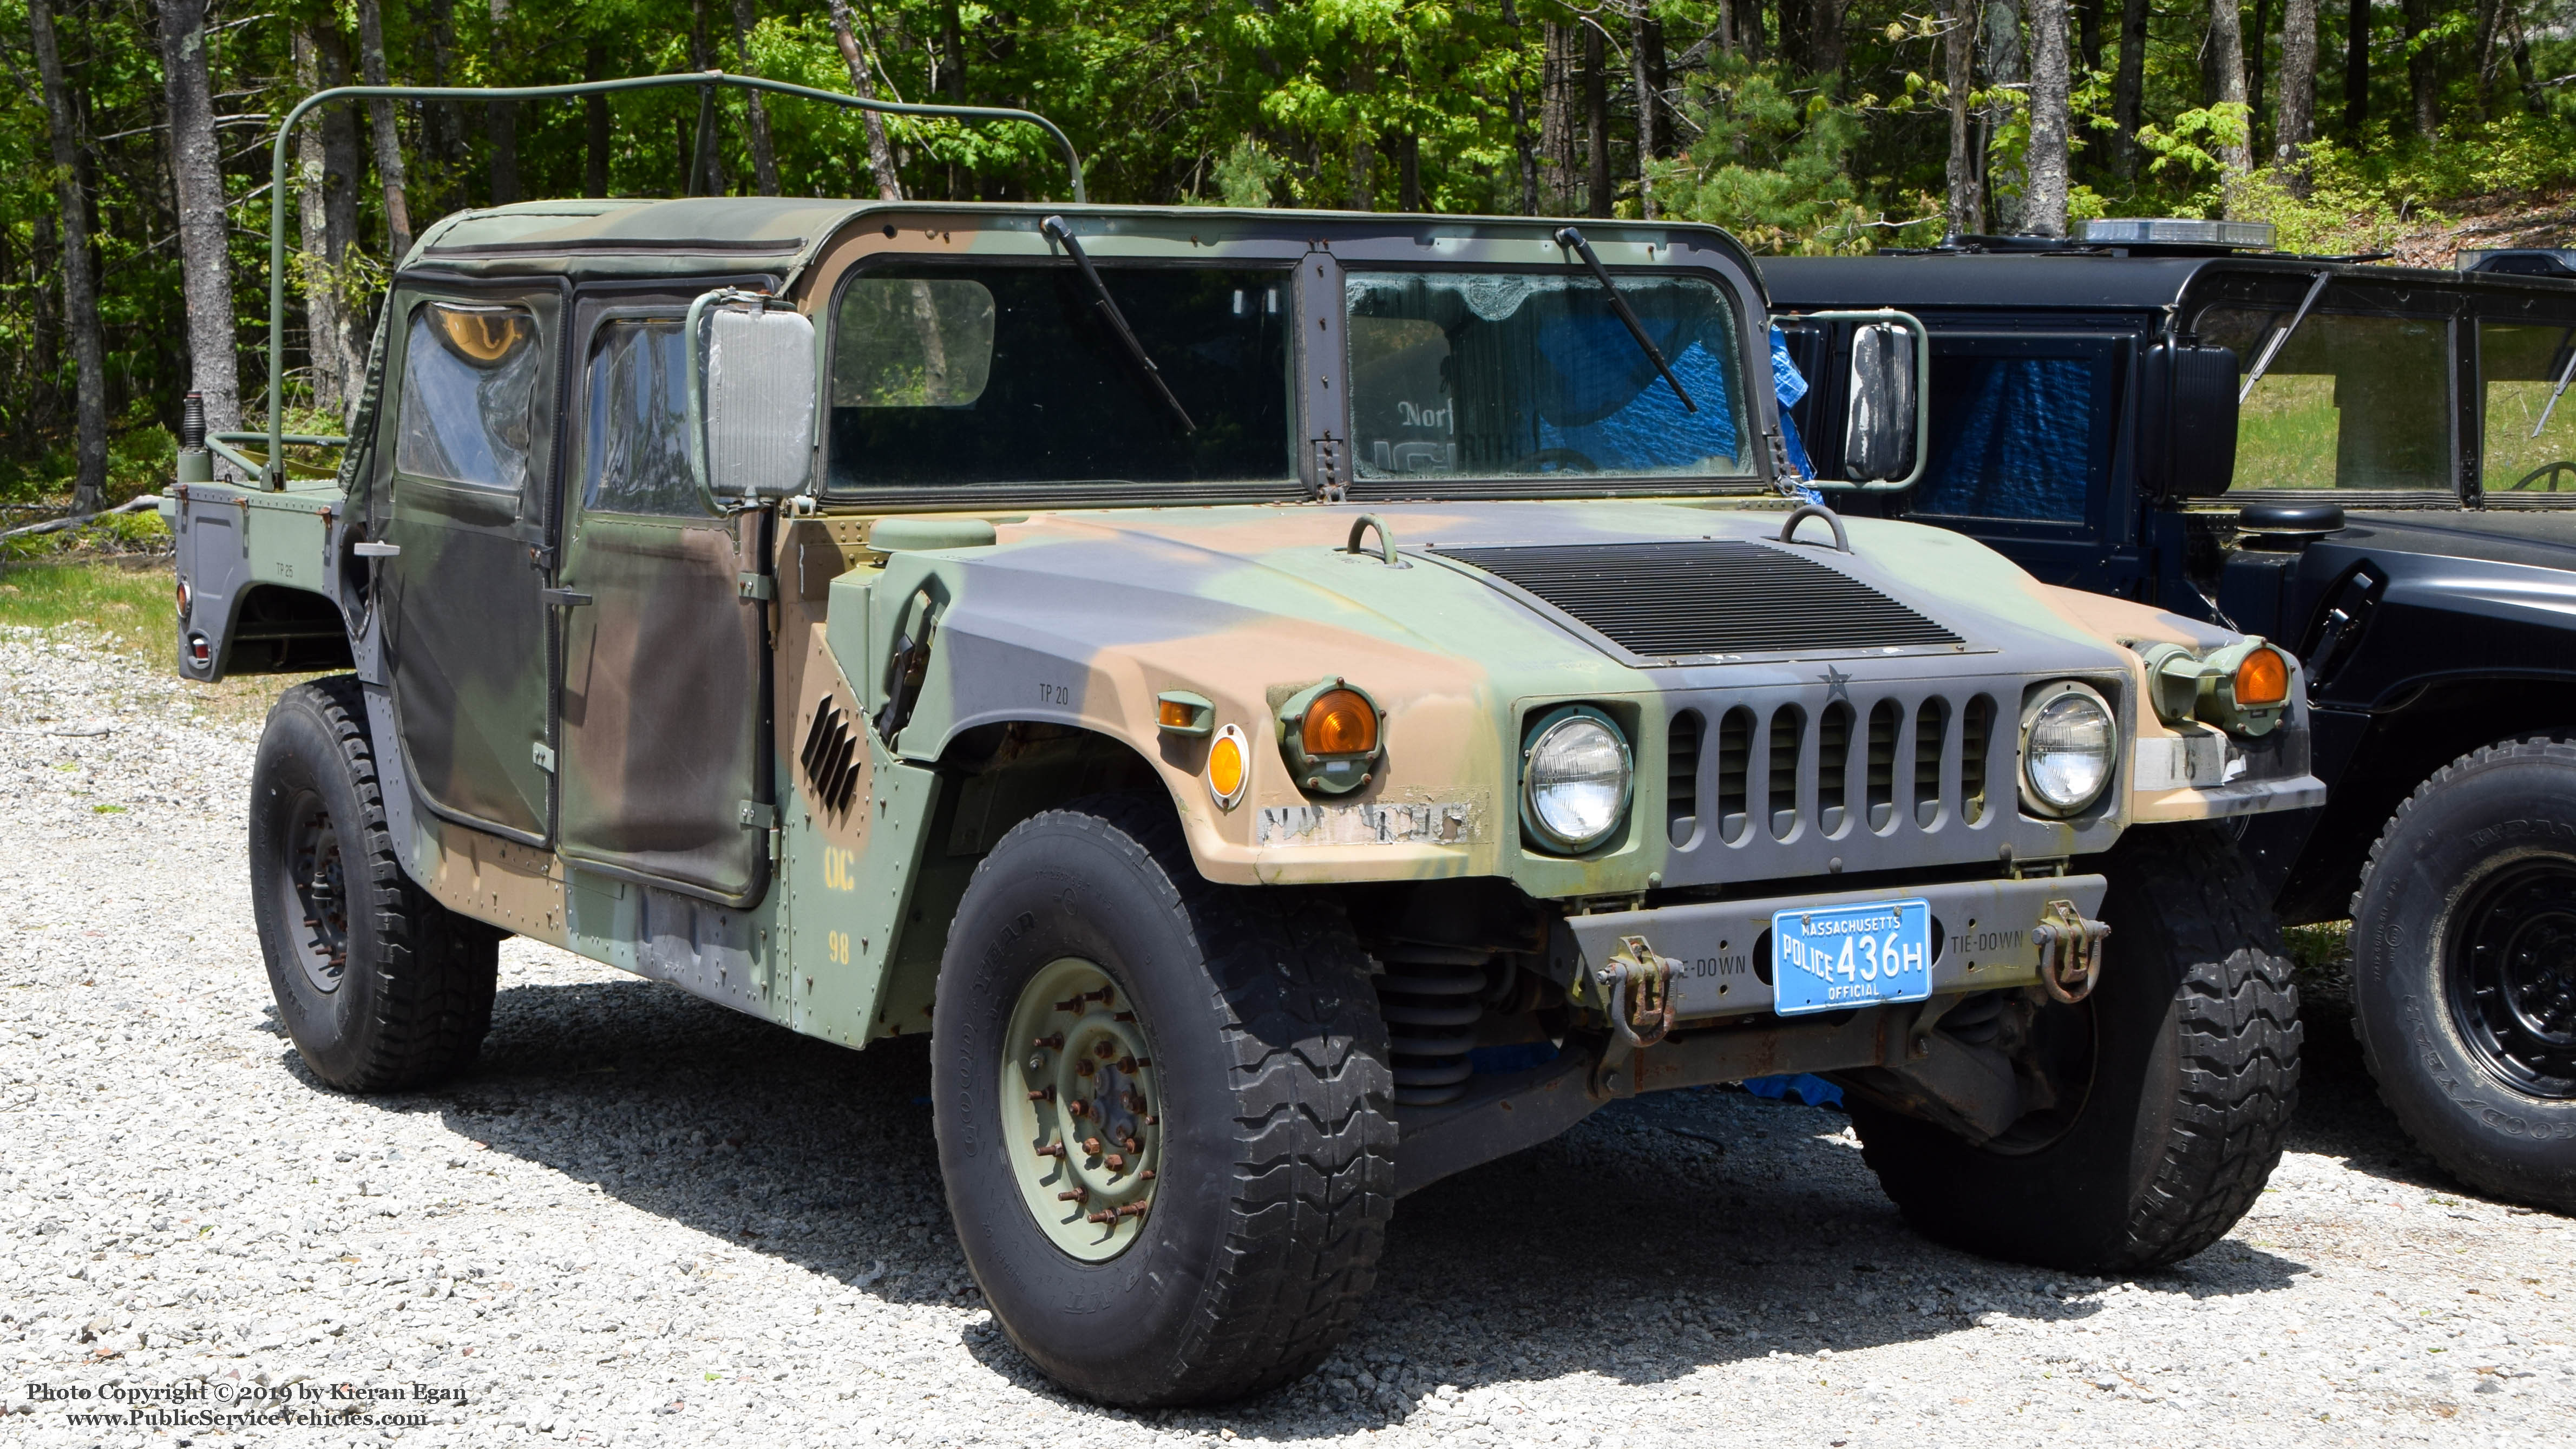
(272, 470)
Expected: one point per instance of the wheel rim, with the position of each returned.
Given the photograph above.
(315, 892)
(2510, 965)
(1080, 1113)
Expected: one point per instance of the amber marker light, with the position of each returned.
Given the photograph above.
(1340, 722)
(2262, 679)
(1229, 766)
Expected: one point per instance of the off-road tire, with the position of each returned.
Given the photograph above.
(1278, 1146)
(2195, 1070)
(2509, 806)
(413, 999)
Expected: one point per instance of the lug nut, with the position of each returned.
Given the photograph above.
(1127, 1016)
(1077, 1107)
(1082, 1068)
(1047, 1094)
(1072, 1194)
(1052, 1149)
(1053, 1043)
(1132, 1144)
(1134, 1101)
(1148, 1118)
(1091, 1147)
(1114, 1162)
(1069, 1006)
(1106, 1050)
(1134, 1064)
(1037, 1063)
(1105, 1215)
(1147, 1174)
(1135, 1209)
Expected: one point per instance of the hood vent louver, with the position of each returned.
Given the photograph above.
(1674, 601)
(831, 757)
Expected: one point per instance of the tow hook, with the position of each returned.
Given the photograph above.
(1638, 985)
(2070, 951)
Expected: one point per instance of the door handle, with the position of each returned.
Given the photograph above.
(563, 598)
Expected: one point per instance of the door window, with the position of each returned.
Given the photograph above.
(2350, 400)
(2530, 427)
(2015, 436)
(469, 394)
(638, 453)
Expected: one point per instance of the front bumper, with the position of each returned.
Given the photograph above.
(1981, 928)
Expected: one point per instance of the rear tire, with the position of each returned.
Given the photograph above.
(2194, 1069)
(1265, 1104)
(2464, 968)
(380, 987)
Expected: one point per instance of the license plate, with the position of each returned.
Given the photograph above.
(1834, 957)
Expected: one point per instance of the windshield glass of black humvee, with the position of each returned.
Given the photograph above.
(954, 374)
(2352, 399)
(1488, 374)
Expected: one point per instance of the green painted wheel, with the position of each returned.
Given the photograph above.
(1079, 1110)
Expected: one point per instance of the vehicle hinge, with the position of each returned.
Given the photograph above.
(758, 586)
(757, 816)
(1332, 471)
(544, 755)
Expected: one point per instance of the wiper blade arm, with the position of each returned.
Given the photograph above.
(2272, 347)
(1057, 231)
(1572, 240)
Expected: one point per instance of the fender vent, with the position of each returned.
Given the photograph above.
(1724, 596)
(831, 756)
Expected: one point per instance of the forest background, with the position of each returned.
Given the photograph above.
(134, 147)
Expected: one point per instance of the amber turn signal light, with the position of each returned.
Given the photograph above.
(1340, 722)
(2263, 678)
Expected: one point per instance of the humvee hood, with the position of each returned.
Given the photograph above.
(1549, 585)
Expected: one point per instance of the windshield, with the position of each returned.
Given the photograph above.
(2351, 400)
(1491, 374)
(949, 375)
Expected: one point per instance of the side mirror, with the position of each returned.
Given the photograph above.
(751, 398)
(2192, 435)
(1887, 411)
(1878, 438)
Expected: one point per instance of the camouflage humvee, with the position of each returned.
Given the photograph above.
(1294, 705)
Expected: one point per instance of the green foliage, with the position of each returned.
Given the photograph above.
(1248, 175)
(1772, 164)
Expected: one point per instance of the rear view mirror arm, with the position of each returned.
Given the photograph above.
(1572, 240)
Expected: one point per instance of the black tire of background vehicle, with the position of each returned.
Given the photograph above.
(2495, 808)
(414, 1000)
(1278, 1148)
(2195, 1071)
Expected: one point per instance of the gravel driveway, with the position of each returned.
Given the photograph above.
(644, 1220)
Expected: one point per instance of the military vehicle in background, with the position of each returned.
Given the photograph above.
(2375, 466)
(1294, 705)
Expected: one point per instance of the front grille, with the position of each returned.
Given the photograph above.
(1691, 600)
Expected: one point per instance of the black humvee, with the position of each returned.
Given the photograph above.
(2374, 466)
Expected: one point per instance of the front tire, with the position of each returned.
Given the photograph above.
(2464, 968)
(1260, 1102)
(2189, 1078)
(379, 987)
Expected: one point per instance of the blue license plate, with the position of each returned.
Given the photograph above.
(1833, 957)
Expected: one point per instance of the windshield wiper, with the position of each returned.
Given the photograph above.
(2272, 347)
(1056, 230)
(1572, 240)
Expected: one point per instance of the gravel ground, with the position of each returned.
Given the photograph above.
(643, 1220)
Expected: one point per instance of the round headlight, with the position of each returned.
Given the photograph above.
(1574, 780)
(2069, 745)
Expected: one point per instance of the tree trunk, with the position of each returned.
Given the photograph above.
(196, 171)
(880, 150)
(380, 113)
(444, 124)
(1795, 52)
(1748, 29)
(1825, 41)
(2254, 79)
(1639, 22)
(2297, 125)
(594, 116)
(1520, 125)
(1596, 120)
(329, 382)
(2088, 33)
(2490, 55)
(952, 75)
(2128, 84)
(1556, 120)
(80, 283)
(764, 157)
(501, 118)
(335, 133)
(2008, 189)
(706, 169)
(1967, 176)
(2227, 65)
(2356, 70)
(1408, 172)
(1363, 145)
(2423, 69)
(2044, 206)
